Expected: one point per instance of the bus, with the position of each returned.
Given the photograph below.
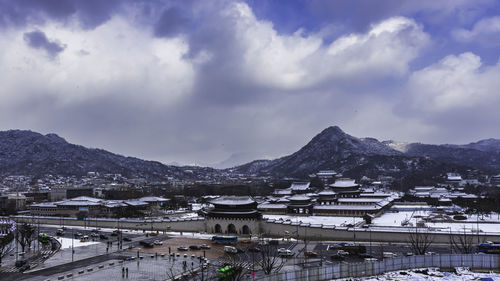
(489, 247)
(225, 240)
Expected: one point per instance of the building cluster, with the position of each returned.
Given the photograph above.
(95, 207)
(344, 197)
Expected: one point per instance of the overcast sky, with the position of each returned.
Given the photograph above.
(204, 82)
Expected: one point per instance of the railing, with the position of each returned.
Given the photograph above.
(371, 268)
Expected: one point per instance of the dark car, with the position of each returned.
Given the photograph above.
(127, 239)
(365, 256)
(20, 263)
(103, 237)
(254, 249)
(78, 234)
(194, 247)
(182, 248)
(146, 244)
(240, 250)
(274, 242)
(337, 257)
(310, 254)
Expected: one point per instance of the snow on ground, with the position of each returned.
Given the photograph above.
(188, 215)
(431, 274)
(395, 218)
(325, 220)
(67, 242)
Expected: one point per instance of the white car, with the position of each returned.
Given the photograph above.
(282, 252)
(158, 242)
(230, 250)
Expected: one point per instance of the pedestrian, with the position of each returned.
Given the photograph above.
(123, 272)
(127, 272)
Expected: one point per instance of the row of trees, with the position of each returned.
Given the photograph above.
(24, 236)
(266, 260)
(420, 240)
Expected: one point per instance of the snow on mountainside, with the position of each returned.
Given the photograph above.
(397, 145)
(31, 153)
(487, 145)
(334, 149)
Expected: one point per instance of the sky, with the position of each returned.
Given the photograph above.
(224, 82)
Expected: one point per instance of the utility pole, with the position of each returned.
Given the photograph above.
(72, 244)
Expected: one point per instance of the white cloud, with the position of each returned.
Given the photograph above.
(455, 82)
(486, 31)
(119, 59)
(299, 61)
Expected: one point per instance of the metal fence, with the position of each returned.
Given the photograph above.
(371, 268)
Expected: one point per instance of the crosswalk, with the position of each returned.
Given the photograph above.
(32, 262)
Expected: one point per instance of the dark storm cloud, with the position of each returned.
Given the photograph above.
(236, 100)
(37, 40)
(172, 22)
(90, 13)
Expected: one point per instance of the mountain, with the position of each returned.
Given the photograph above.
(487, 145)
(334, 149)
(30, 153)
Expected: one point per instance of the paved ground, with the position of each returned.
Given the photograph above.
(102, 261)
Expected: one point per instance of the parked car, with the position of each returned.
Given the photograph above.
(78, 234)
(205, 246)
(158, 242)
(310, 254)
(230, 250)
(60, 232)
(183, 248)
(389, 255)
(365, 256)
(146, 244)
(93, 234)
(282, 252)
(194, 247)
(342, 253)
(254, 249)
(20, 263)
(337, 257)
(127, 239)
(103, 237)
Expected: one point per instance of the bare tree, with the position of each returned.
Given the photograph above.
(463, 243)
(270, 259)
(25, 235)
(420, 240)
(6, 245)
(200, 273)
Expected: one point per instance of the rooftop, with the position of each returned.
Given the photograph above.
(233, 200)
(344, 183)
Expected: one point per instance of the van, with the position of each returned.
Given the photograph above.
(230, 250)
(389, 255)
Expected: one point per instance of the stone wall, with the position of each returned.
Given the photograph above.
(242, 226)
